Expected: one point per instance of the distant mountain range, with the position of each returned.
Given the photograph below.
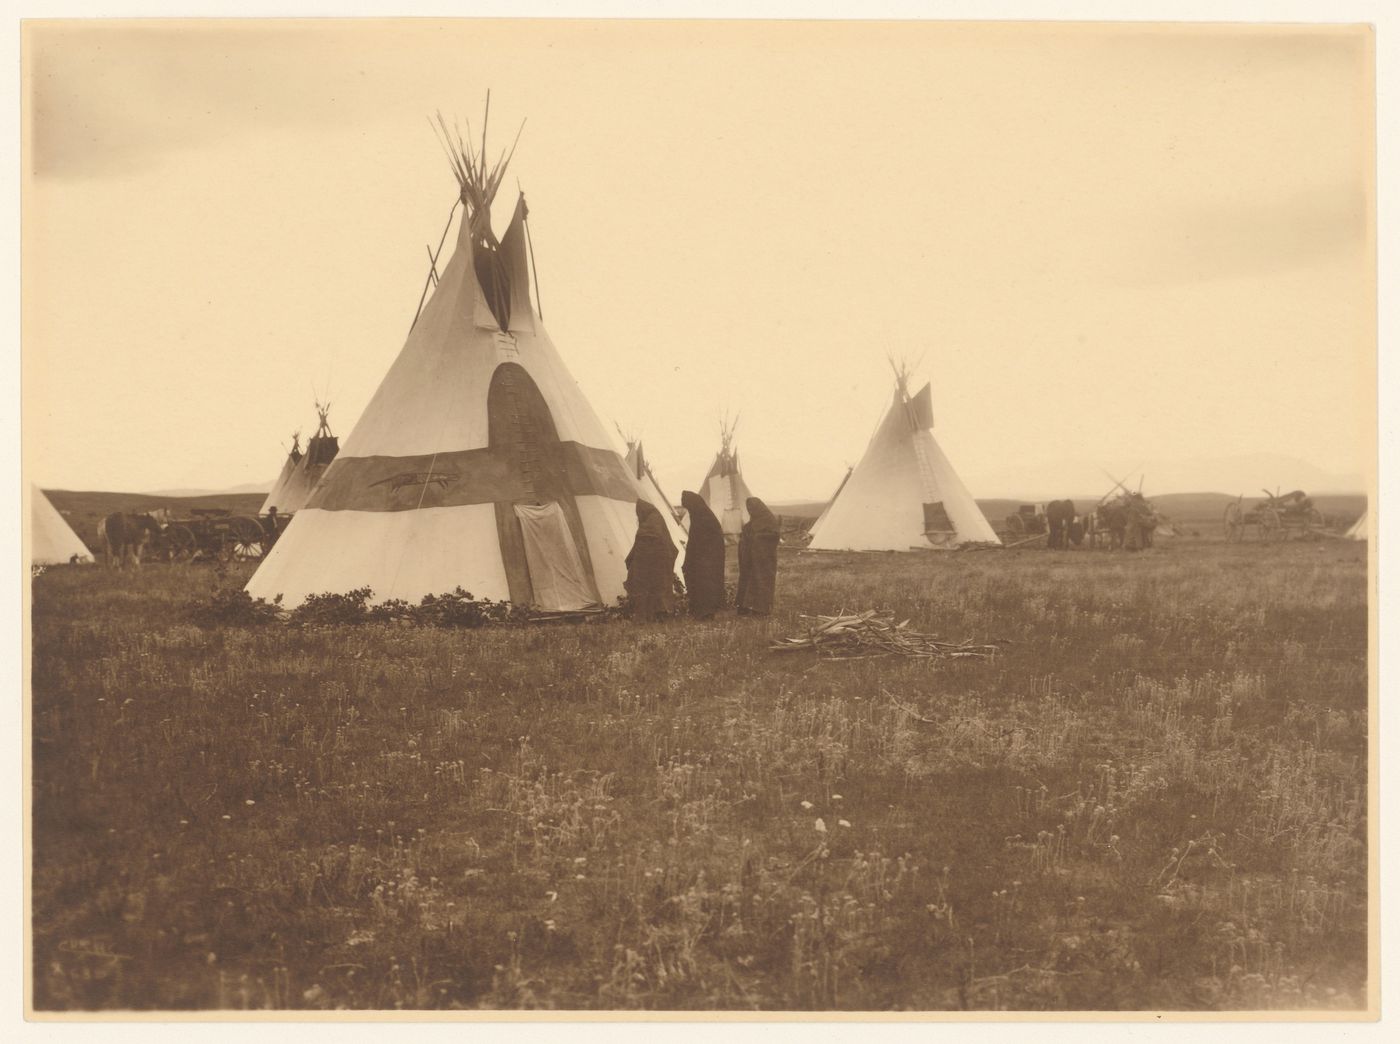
(1247, 474)
(791, 482)
(247, 487)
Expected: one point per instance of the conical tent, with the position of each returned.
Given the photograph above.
(294, 488)
(51, 539)
(650, 491)
(284, 478)
(724, 489)
(478, 463)
(844, 479)
(904, 493)
(1361, 528)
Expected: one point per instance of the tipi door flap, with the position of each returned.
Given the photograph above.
(556, 570)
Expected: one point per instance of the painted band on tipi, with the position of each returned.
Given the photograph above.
(478, 463)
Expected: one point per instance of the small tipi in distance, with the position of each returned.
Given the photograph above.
(903, 494)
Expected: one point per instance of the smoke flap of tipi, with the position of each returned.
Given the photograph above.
(903, 494)
(303, 469)
(478, 463)
(724, 489)
(51, 539)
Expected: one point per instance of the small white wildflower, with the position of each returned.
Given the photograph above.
(820, 827)
(806, 804)
(843, 822)
(835, 797)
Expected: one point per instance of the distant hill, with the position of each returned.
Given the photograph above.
(1203, 511)
(799, 509)
(1240, 473)
(85, 509)
(260, 488)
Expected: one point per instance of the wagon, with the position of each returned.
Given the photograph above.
(216, 533)
(1028, 520)
(1276, 518)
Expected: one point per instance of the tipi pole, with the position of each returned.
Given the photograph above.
(433, 266)
(531, 244)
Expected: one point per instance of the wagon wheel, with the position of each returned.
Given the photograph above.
(1315, 519)
(1016, 524)
(1234, 522)
(245, 538)
(180, 542)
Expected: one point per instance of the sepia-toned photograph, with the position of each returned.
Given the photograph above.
(678, 516)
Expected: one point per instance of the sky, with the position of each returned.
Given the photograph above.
(1121, 247)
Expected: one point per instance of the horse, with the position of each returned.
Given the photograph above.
(1059, 514)
(1129, 521)
(124, 536)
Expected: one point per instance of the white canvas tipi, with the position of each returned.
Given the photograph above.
(478, 463)
(724, 489)
(303, 470)
(904, 493)
(51, 539)
(1361, 528)
(844, 479)
(289, 467)
(650, 491)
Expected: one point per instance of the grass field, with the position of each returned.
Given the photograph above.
(1155, 798)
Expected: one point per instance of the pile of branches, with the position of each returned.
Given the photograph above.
(872, 633)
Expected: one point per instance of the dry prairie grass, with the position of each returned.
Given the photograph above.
(1154, 798)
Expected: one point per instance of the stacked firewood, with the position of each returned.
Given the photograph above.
(872, 633)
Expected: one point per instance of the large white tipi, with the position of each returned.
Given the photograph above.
(1361, 528)
(478, 463)
(51, 539)
(903, 494)
(724, 489)
(303, 470)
